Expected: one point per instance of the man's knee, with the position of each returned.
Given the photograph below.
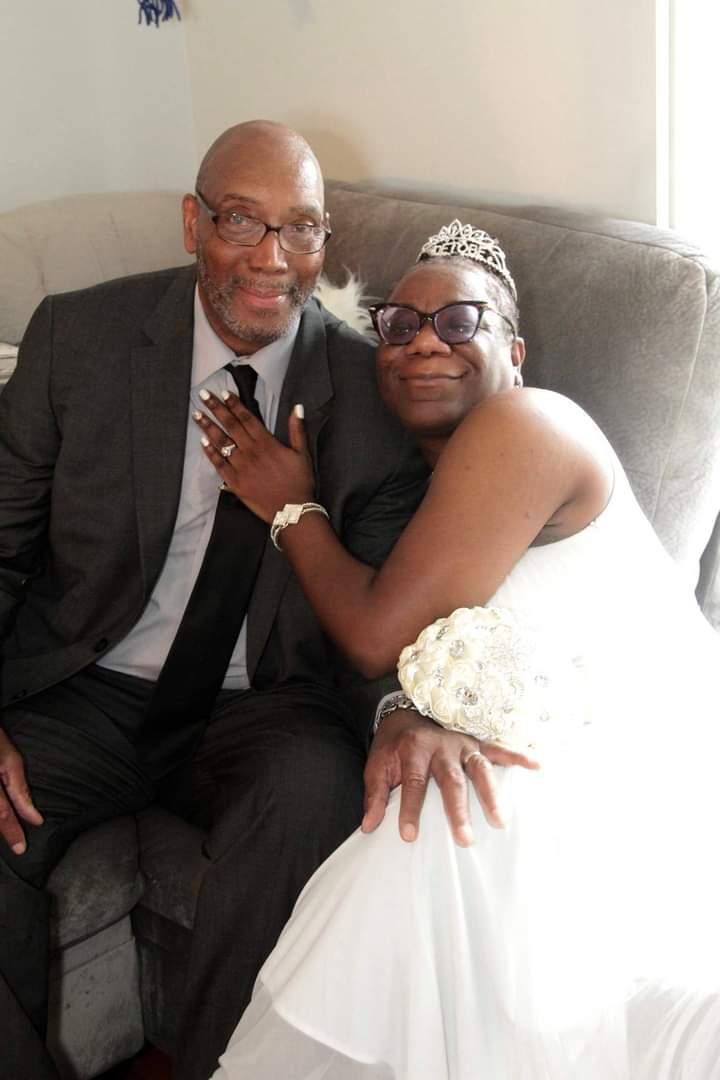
(306, 794)
(314, 771)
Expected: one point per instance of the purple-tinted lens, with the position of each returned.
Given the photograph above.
(457, 323)
(397, 325)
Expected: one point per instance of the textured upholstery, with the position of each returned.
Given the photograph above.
(622, 317)
(80, 240)
(173, 864)
(110, 858)
(95, 1006)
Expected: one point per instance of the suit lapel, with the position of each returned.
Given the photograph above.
(307, 381)
(161, 373)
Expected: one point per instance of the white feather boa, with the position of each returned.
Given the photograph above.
(346, 302)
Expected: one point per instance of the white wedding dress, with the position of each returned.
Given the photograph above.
(582, 941)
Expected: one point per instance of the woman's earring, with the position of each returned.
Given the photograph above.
(518, 379)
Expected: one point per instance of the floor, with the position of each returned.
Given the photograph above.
(149, 1064)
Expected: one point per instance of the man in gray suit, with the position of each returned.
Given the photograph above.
(108, 508)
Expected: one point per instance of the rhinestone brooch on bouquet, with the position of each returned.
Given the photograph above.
(477, 672)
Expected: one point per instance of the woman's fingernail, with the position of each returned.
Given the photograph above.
(205, 441)
(465, 836)
(299, 411)
(408, 832)
(225, 395)
(196, 414)
(19, 848)
(205, 395)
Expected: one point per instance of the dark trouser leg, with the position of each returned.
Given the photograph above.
(279, 779)
(24, 912)
(81, 770)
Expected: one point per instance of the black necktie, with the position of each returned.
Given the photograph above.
(200, 653)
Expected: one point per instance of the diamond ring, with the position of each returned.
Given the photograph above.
(227, 450)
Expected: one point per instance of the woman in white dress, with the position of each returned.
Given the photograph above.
(572, 934)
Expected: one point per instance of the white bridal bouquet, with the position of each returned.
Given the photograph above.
(478, 672)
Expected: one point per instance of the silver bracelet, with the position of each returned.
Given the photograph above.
(290, 515)
(390, 704)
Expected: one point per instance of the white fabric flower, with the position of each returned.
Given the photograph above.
(476, 672)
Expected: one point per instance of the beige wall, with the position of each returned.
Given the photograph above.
(549, 101)
(90, 101)
(515, 101)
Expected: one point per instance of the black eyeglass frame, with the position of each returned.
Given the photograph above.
(215, 214)
(480, 306)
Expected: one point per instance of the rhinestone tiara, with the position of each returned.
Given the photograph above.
(471, 243)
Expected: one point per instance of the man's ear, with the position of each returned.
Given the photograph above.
(190, 215)
(517, 352)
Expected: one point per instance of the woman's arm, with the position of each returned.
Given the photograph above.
(519, 462)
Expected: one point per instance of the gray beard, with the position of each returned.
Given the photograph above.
(220, 298)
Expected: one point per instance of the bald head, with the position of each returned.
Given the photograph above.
(271, 145)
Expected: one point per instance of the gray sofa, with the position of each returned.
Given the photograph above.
(622, 317)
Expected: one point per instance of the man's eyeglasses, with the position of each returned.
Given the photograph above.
(297, 238)
(454, 324)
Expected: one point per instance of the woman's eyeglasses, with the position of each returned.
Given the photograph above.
(454, 324)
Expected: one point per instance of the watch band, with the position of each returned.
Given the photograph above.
(389, 704)
(290, 515)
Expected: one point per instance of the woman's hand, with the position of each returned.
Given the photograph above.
(410, 749)
(256, 466)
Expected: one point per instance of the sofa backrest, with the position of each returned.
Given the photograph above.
(623, 318)
(80, 240)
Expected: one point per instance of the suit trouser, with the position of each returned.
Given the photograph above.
(276, 780)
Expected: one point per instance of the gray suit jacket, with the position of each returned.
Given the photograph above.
(92, 431)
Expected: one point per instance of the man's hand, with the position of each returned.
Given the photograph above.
(15, 799)
(408, 749)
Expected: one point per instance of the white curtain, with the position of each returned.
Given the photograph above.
(694, 102)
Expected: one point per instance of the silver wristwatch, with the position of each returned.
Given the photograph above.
(290, 515)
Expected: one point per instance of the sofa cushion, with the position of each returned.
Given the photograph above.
(172, 864)
(97, 882)
(95, 1012)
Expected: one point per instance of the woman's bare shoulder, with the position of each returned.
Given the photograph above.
(542, 408)
(534, 440)
(529, 417)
